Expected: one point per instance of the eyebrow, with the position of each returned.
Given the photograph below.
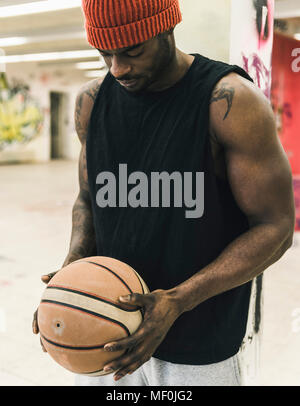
(124, 50)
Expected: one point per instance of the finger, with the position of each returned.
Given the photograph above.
(46, 278)
(128, 370)
(136, 299)
(119, 375)
(35, 327)
(122, 362)
(126, 343)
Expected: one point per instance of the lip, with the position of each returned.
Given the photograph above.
(128, 83)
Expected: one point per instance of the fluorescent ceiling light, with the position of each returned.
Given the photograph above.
(297, 36)
(49, 56)
(38, 7)
(12, 41)
(89, 65)
(94, 73)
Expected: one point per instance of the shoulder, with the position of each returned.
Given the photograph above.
(238, 107)
(90, 89)
(84, 104)
(236, 101)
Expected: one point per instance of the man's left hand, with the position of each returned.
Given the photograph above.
(160, 312)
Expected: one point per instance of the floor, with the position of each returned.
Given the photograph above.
(36, 202)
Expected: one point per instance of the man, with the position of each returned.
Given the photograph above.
(203, 127)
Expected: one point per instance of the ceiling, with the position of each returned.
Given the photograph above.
(63, 30)
(53, 31)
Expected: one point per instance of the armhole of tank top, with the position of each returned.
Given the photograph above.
(230, 69)
(101, 90)
(88, 137)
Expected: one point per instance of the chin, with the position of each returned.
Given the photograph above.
(142, 85)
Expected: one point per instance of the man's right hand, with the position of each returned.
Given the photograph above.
(35, 328)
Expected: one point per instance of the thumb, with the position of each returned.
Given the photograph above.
(45, 278)
(48, 277)
(135, 299)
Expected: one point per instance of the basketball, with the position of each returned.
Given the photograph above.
(79, 313)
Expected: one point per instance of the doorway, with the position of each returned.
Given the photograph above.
(58, 124)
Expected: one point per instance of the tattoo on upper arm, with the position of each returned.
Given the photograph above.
(224, 92)
(83, 174)
(79, 127)
(91, 91)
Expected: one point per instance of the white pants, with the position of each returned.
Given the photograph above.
(161, 373)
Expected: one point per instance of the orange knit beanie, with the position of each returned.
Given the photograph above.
(114, 24)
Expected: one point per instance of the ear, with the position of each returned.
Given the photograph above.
(170, 32)
(166, 33)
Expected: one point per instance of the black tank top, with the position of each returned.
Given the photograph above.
(146, 134)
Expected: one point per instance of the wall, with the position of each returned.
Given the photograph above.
(286, 104)
(205, 28)
(42, 81)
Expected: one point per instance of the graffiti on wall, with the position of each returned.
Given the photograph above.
(252, 48)
(21, 118)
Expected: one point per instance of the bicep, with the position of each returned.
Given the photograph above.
(260, 178)
(257, 167)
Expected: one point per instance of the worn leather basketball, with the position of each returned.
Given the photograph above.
(79, 313)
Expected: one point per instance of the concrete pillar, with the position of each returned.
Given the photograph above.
(205, 28)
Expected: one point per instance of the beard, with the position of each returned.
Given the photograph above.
(161, 62)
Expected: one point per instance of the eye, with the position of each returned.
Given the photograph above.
(135, 52)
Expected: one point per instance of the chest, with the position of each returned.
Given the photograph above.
(155, 137)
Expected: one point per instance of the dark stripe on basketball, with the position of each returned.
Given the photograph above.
(140, 283)
(103, 266)
(79, 292)
(89, 312)
(72, 347)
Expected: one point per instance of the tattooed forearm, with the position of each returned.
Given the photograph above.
(223, 92)
(83, 241)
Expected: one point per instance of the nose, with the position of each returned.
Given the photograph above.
(119, 68)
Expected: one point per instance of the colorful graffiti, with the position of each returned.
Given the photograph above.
(21, 118)
(264, 20)
(252, 48)
(254, 65)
